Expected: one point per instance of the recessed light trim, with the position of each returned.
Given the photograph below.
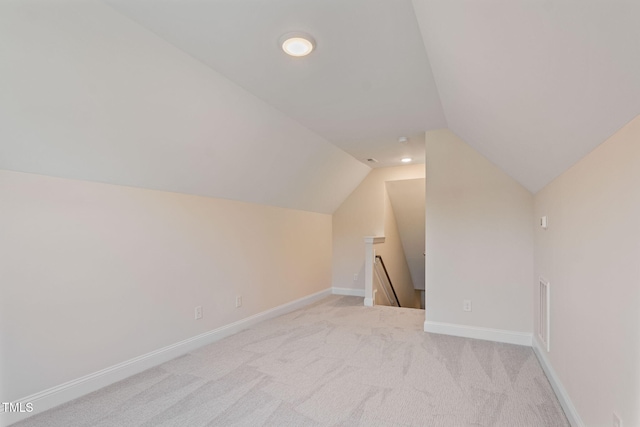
(406, 160)
(297, 44)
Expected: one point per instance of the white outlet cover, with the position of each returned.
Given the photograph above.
(544, 222)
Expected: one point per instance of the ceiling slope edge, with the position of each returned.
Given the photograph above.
(534, 87)
(91, 95)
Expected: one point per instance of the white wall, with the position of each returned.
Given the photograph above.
(394, 259)
(95, 274)
(479, 239)
(589, 254)
(408, 203)
(86, 93)
(360, 215)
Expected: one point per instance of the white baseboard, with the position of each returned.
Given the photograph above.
(68, 391)
(569, 410)
(498, 335)
(348, 291)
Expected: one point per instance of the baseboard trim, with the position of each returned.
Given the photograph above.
(74, 389)
(498, 335)
(566, 403)
(348, 291)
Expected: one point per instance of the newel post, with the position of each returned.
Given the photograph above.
(369, 260)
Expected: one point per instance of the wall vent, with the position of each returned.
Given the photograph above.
(544, 327)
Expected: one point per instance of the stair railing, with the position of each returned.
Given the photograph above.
(385, 281)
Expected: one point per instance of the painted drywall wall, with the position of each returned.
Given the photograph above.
(589, 254)
(479, 239)
(86, 93)
(95, 274)
(408, 204)
(360, 215)
(394, 259)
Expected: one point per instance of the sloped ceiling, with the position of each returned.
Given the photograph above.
(534, 85)
(367, 83)
(194, 96)
(88, 94)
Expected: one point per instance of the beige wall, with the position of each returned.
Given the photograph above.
(408, 203)
(360, 215)
(590, 255)
(394, 259)
(95, 274)
(479, 239)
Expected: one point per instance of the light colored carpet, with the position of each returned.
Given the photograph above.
(334, 363)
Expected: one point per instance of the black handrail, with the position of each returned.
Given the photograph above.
(388, 279)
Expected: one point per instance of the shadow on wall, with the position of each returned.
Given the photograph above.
(363, 214)
(404, 229)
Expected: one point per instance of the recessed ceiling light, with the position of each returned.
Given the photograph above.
(406, 160)
(297, 44)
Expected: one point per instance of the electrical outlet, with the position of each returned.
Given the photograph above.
(355, 277)
(544, 222)
(199, 312)
(466, 305)
(617, 422)
(239, 301)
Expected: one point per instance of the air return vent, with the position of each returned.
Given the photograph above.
(544, 295)
(372, 160)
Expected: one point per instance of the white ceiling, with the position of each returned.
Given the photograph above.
(88, 94)
(367, 83)
(195, 96)
(532, 85)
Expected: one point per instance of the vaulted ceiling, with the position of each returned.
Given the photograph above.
(367, 83)
(532, 85)
(196, 96)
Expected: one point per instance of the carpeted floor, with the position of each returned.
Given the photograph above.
(334, 363)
